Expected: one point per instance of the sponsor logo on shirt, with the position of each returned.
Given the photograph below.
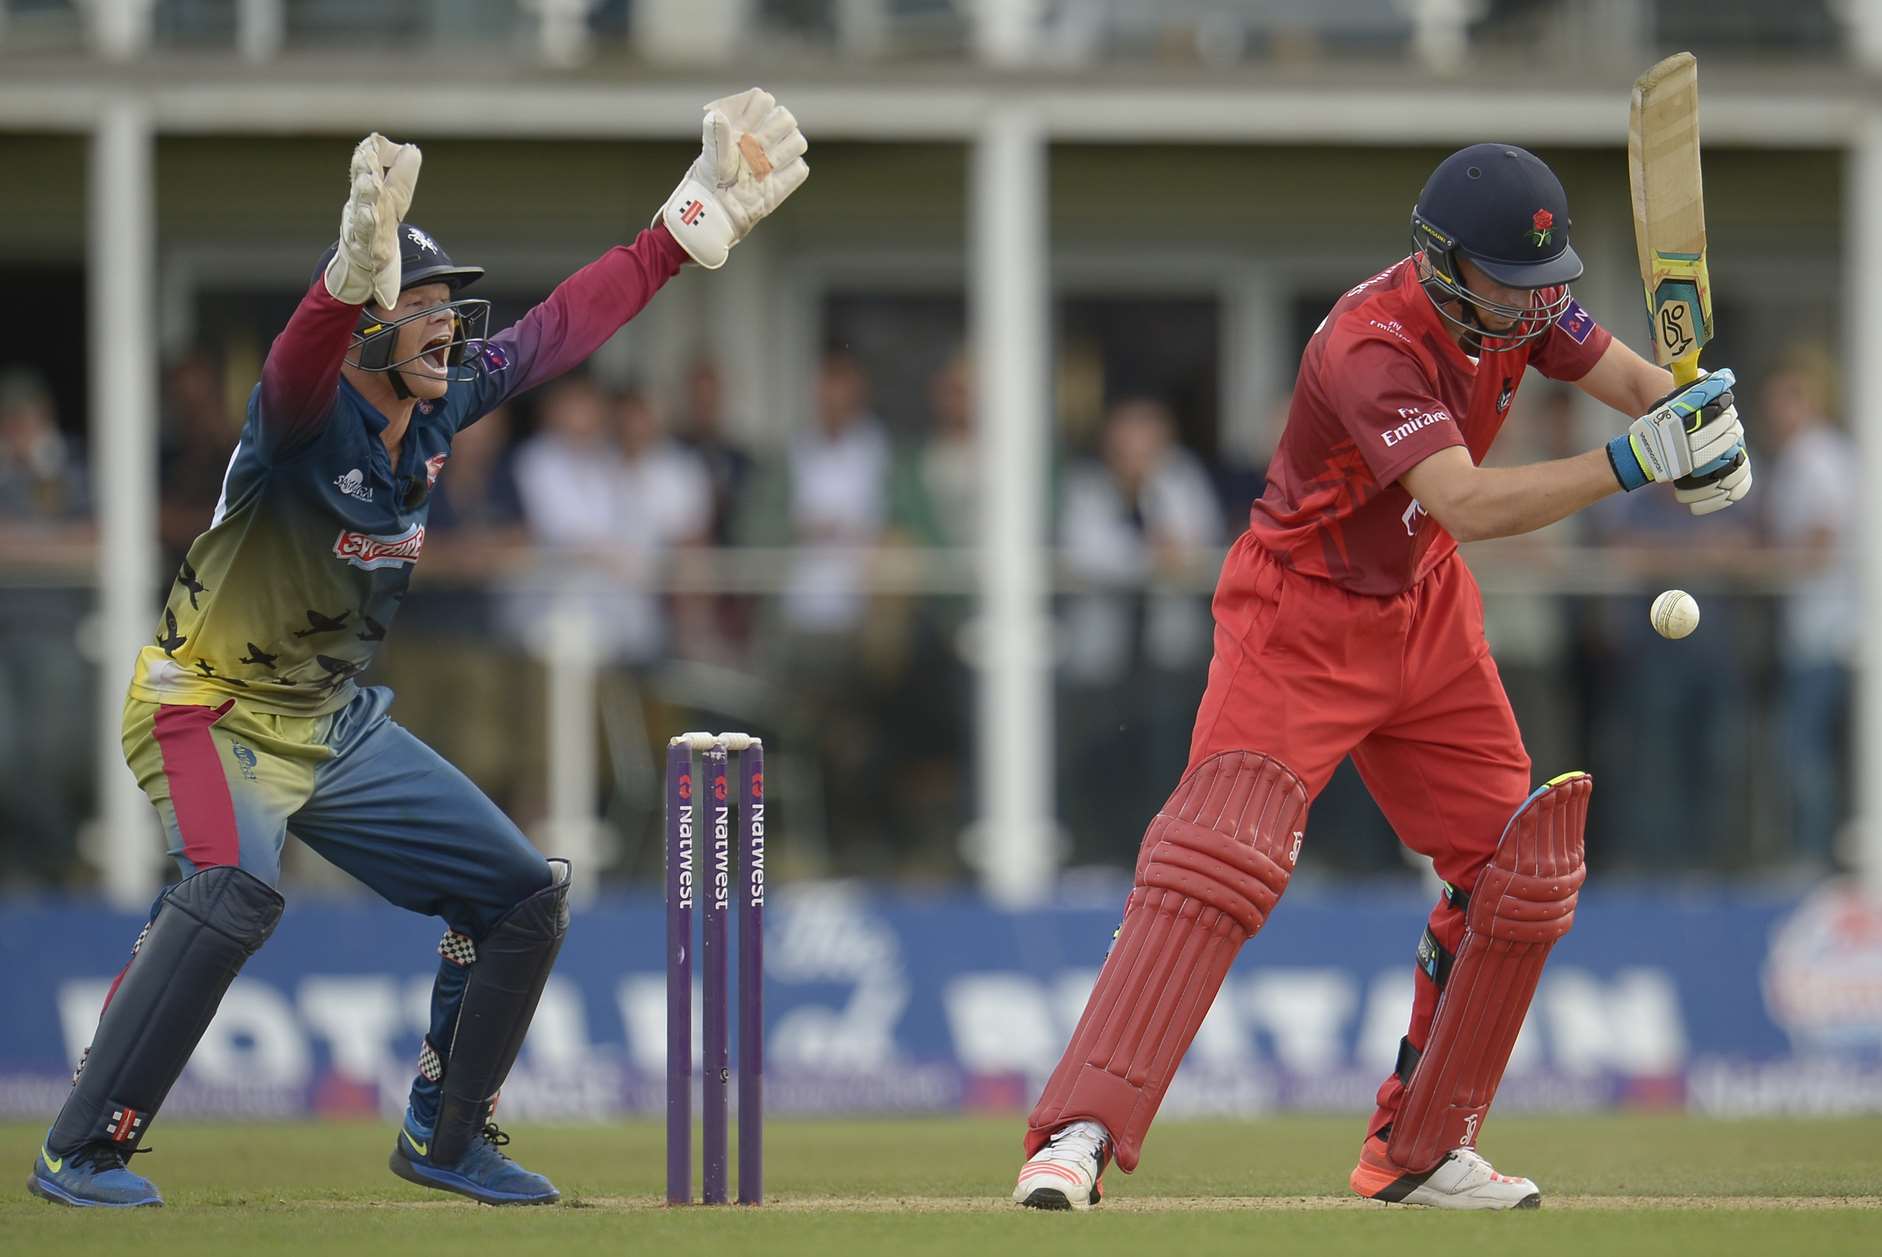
(1413, 514)
(1503, 398)
(1576, 322)
(1415, 420)
(372, 553)
(433, 466)
(494, 358)
(354, 485)
(1392, 328)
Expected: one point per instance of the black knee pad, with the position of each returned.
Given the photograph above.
(203, 932)
(507, 973)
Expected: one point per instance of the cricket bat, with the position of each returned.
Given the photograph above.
(1670, 212)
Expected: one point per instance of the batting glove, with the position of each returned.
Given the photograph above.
(1690, 428)
(1717, 485)
(751, 157)
(366, 266)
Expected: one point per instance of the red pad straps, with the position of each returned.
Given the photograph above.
(1214, 861)
(1523, 901)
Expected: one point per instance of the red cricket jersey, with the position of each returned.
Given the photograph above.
(1382, 387)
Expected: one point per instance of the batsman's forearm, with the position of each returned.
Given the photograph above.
(1509, 501)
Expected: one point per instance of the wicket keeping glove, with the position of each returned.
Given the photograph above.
(751, 157)
(366, 266)
(1689, 429)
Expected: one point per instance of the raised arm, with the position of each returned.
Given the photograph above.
(583, 311)
(751, 158)
(302, 370)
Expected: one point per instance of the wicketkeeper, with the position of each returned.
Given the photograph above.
(1347, 624)
(245, 719)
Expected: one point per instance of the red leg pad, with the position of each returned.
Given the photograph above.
(1523, 901)
(1214, 862)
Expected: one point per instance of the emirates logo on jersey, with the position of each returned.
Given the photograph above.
(363, 550)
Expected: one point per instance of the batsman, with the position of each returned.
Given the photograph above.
(246, 721)
(1346, 623)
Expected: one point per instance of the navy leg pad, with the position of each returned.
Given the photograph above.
(204, 930)
(500, 996)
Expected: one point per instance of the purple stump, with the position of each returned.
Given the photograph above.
(680, 882)
(716, 1066)
(751, 978)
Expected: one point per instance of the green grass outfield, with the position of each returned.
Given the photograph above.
(905, 1187)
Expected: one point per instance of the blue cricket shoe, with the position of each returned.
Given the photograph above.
(91, 1177)
(485, 1173)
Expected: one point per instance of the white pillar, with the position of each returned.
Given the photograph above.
(1009, 321)
(1862, 193)
(737, 332)
(1005, 32)
(121, 356)
(574, 828)
(1862, 22)
(260, 28)
(1253, 378)
(120, 29)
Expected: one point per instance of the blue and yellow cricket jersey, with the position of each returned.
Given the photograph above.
(286, 597)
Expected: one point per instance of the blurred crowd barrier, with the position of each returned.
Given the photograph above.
(823, 592)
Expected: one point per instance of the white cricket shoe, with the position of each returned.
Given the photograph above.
(1064, 1174)
(1463, 1180)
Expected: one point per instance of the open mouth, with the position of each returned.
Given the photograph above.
(437, 352)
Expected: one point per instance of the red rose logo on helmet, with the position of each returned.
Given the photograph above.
(1541, 227)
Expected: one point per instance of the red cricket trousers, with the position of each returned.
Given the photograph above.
(1309, 673)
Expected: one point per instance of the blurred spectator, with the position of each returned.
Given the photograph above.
(838, 485)
(701, 429)
(45, 711)
(478, 502)
(838, 660)
(461, 685)
(664, 499)
(42, 482)
(1135, 653)
(606, 496)
(1659, 713)
(1535, 634)
(1812, 504)
(198, 436)
(937, 490)
(935, 501)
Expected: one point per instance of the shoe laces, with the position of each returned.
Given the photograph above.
(1080, 1139)
(102, 1157)
(497, 1138)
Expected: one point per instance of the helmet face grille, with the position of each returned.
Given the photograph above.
(1438, 253)
(375, 339)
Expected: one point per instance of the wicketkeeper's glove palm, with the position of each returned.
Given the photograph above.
(366, 266)
(751, 157)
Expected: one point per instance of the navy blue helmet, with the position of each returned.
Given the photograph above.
(1502, 208)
